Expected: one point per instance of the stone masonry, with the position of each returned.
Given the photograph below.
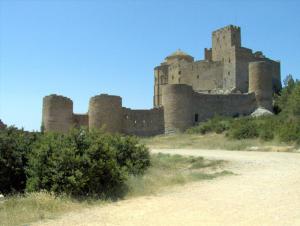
(230, 81)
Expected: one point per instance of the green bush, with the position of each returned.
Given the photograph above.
(14, 147)
(216, 124)
(289, 131)
(268, 126)
(266, 135)
(131, 155)
(244, 128)
(84, 163)
(281, 101)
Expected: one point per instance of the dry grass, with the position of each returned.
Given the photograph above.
(165, 171)
(24, 209)
(213, 141)
(168, 170)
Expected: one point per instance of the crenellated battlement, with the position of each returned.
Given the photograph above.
(227, 28)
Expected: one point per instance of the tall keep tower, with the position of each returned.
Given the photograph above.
(224, 69)
(223, 40)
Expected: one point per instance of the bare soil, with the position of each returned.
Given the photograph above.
(265, 191)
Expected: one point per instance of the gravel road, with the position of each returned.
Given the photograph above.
(265, 191)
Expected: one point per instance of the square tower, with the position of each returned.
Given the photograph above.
(223, 40)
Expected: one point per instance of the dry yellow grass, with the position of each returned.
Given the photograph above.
(213, 141)
(23, 209)
(165, 171)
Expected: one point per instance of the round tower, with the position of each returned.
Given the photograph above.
(105, 112)
(57, 113)
(260, 82)
(177, 104)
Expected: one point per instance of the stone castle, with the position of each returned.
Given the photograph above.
(230, 81)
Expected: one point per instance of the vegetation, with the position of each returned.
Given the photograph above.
(284, 127)
(24, 209)
(14, 146)
(214, 141)
(165, 171)
(79, 163)
(83, 163)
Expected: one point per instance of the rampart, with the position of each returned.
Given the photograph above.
(105, 112)
(143, 122)
(184, 108)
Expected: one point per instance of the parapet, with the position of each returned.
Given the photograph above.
(227, 28)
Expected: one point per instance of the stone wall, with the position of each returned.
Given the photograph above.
(160, 78)
(177, 102)
(57, 113)
(233, 105)
(105, 111)
(204, 75)
(243, 57)
(184, 88)
(143, 122)
(223, 70)
(260, 82)
(223, 39)
(184, 108)
(81, 120)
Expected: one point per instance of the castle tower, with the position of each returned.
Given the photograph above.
(225, 42)
(57, 113)
(260, 82)
(163, 75)
(223, 39)
(105, 112)
(177, 101)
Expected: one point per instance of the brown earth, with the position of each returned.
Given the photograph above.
(265, 191)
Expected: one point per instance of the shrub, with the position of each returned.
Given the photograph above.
(281, 101)
(243, 128)
(216, 124)
(268, 126)
(289, 131)
(84, 163)
(131, 155)
(14, 147)
(266, 134)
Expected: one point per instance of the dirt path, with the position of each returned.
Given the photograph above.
(265, 192)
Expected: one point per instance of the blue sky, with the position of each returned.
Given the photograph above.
(81, 48)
